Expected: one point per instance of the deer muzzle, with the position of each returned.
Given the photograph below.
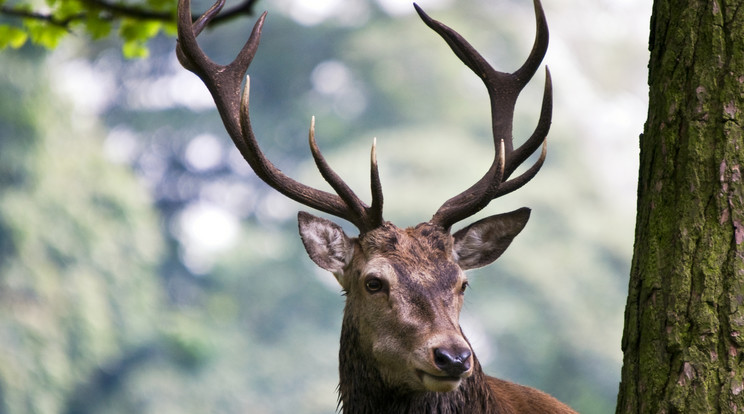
(450, 365)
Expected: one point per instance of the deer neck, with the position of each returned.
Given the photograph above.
(362, 390)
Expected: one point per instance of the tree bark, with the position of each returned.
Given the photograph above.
(683, 341)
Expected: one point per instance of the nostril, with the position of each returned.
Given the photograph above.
(464, 358)
(442, 357)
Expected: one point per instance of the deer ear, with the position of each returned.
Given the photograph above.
(483, 242)
(325, 242)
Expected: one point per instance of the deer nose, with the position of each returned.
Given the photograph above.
(454, 362)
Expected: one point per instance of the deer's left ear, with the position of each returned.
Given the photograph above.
(483, 242)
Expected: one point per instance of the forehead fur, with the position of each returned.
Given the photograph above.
(424, 241)
(423, 252)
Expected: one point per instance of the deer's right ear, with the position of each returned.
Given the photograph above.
(325, 243)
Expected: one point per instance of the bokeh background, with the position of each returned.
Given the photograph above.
(144, 268)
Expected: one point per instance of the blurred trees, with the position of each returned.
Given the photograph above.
(232, 317)
(685, 312)
(79, 243)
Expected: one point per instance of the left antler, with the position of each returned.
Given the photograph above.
(503, 89)
(224, 83)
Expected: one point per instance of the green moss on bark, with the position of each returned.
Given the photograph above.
(682, 340)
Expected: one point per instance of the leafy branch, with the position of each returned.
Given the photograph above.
(136, 23)
(45, 17)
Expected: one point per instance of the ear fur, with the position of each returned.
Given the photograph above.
(325, 242)
(485, 240)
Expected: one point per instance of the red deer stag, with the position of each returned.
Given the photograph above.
(402, 348)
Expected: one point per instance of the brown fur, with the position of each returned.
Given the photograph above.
(424, 290)
(362, 391)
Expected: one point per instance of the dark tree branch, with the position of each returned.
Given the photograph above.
(138, 13)
(120, 10)
(26, 14)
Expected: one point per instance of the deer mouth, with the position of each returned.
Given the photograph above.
(439, 383)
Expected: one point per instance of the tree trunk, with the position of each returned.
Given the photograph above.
(683, 342)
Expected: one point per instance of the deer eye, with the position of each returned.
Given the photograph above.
(464, 286)
(373, 284)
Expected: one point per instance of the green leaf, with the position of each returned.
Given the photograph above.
(12, 37)
(138, 30)
(136, 33)
(97, 28)
(68, 8)
(171, 29)
(44, 34)
(134, 49)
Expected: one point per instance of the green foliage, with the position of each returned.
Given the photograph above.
(44, 34)
(96, 27)
(12, 37)
(47, 26)
(135, 35)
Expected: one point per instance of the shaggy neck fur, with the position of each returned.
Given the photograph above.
(362, 391)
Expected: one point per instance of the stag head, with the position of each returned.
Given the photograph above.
(404, 291)
(404, 287)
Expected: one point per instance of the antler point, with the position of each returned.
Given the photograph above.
(373, 154)
(502, 158)
(312, 130)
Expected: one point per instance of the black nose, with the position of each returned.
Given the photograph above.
(453, 362)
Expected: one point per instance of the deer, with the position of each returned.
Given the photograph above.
(402, 349)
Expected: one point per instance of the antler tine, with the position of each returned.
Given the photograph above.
(519, 155)
(370, 217)
(539, 47)
(224, 83)
(265, 169)
(375, 211)
(508, 186)
(187, 49)
(503, 89)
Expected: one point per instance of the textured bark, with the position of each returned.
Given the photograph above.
(684, 323)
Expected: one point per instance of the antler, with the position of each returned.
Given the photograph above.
(503, 89)
(224, 83)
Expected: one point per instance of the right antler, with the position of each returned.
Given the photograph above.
(503, 90)
(224, 83)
